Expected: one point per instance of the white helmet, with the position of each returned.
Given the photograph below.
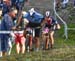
(47, 14)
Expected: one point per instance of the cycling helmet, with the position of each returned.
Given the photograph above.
(47, 14)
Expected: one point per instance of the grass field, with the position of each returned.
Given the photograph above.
(64, 50)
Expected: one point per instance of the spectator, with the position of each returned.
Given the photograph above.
(64, 3)
(6, 6)
(27, 2)
(6, 25)
(20, 40)
(19, 4)
(13, 2)
(19, 37)
(58, 4)
(1, 3)
(74, 3)
(0, 29)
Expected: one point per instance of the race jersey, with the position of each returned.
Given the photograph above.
(34, 20)
(50, 22)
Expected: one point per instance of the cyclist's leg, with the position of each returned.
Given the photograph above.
(51, 36)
